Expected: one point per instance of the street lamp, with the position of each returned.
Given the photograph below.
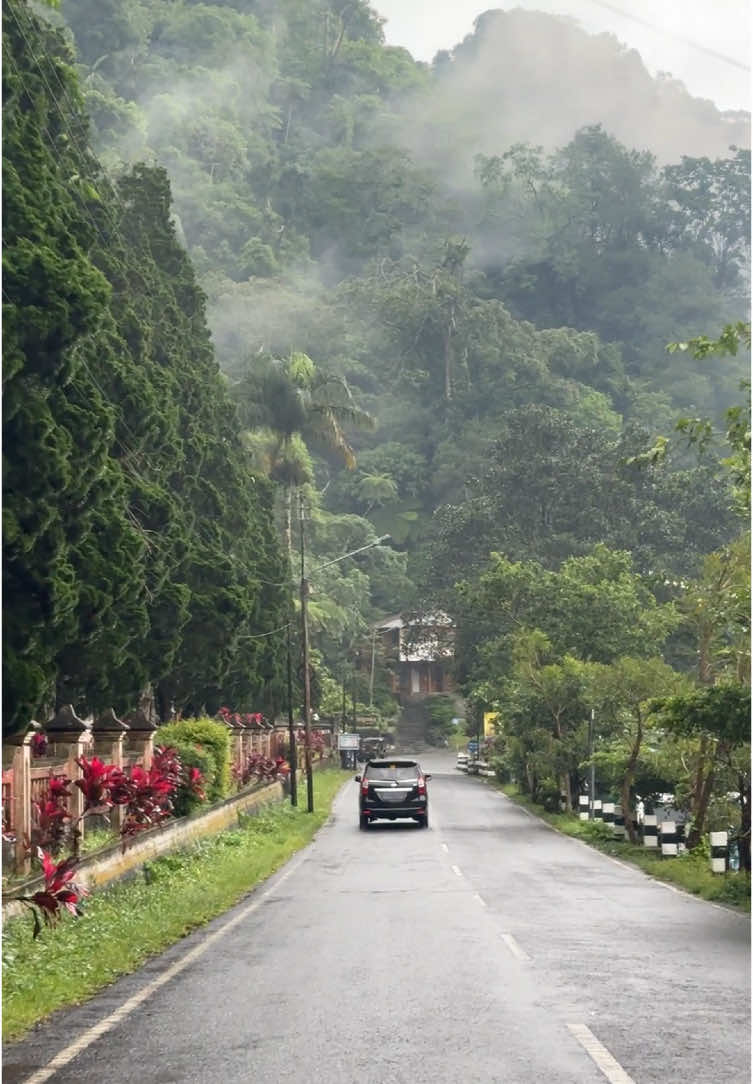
(305, 639)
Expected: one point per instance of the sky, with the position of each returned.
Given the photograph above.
(683, 37)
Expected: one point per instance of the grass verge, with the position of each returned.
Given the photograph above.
(128, 922)
(690, 871)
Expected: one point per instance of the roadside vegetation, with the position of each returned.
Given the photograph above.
(690, 872)
(124, 925)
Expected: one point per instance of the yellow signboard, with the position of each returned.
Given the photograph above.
(490, 718)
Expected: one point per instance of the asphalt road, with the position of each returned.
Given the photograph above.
(486, 949)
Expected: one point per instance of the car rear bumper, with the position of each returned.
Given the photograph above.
(394, 812)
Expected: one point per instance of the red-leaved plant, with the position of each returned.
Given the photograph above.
(51, 816)
(38, 744)
(59, 892)
(264, 769)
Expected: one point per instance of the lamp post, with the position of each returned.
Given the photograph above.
(305, 643)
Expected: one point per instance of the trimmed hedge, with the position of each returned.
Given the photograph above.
(210, 738)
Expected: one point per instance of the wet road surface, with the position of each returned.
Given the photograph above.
(486, 949)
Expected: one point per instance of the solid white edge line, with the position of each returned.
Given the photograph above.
(514, 947)
(97, 1030)
(599, 1054)
(456, 871)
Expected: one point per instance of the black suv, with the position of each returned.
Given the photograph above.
(391, 790)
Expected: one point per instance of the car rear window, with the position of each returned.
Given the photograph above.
(392, 771)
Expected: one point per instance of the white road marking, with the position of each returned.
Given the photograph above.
(514, 947)
(609, 1066)
(93, 1033)
(480, 899)
(444, 847)
(456, 871)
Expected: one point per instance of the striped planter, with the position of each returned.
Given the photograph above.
(719, 851)
(597, 809)
(618, 825)
(668, 838)
(608, 811)
(650, 831)
(583, 807)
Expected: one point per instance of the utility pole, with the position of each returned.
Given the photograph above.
(592, 780)
(371, 676)
(291, 724)
(306, 675)
(355, 689)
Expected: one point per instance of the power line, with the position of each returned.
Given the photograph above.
(670, 34)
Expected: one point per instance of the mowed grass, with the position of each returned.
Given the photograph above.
(128, 922)
(691, 872)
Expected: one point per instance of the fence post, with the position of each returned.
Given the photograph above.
(650, 830)
(597, 809)
(22, 797)
(583, 807)
(618, 822)
(141, 728)
(113, 730)
(66, 728)
(719, 851)
(668, 839)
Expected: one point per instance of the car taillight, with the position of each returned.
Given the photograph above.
(364, 786)
(421, 785)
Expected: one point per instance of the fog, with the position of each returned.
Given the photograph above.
(722, 27)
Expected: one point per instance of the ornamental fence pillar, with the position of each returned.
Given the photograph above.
(65, 728)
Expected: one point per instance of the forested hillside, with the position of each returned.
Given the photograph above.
(440, 297)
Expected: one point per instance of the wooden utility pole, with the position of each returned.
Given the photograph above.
(291, 724)
(306, 675)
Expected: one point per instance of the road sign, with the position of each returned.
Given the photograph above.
(472, 746)
(348, 741)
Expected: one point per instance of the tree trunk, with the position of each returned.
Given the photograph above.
(703, 798)
(448, 363)
(289, 521)
(627, 780)
(743, 785)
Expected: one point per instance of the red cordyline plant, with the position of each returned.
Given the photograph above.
(59, 893)
(38, 744)
(318, 744)
(51, 814)
(257, 766)
(147, 798)
(235, 718)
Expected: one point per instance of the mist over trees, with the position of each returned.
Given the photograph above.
(440, 298)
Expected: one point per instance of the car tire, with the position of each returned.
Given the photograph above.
(363, 822)
(423, 820)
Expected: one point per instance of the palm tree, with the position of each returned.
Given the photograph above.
(288, 405)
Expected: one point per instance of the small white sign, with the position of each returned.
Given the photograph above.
(348, 741)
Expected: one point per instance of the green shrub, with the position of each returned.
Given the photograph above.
(210, 737)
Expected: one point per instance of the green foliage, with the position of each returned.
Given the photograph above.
(186, 799)
(719, 710)
(209, 737)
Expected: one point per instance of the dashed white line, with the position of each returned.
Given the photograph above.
(609, 1065)
(93, 1033)
(444, 847)
(456, 871)
(514, 947)
(480, 899)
